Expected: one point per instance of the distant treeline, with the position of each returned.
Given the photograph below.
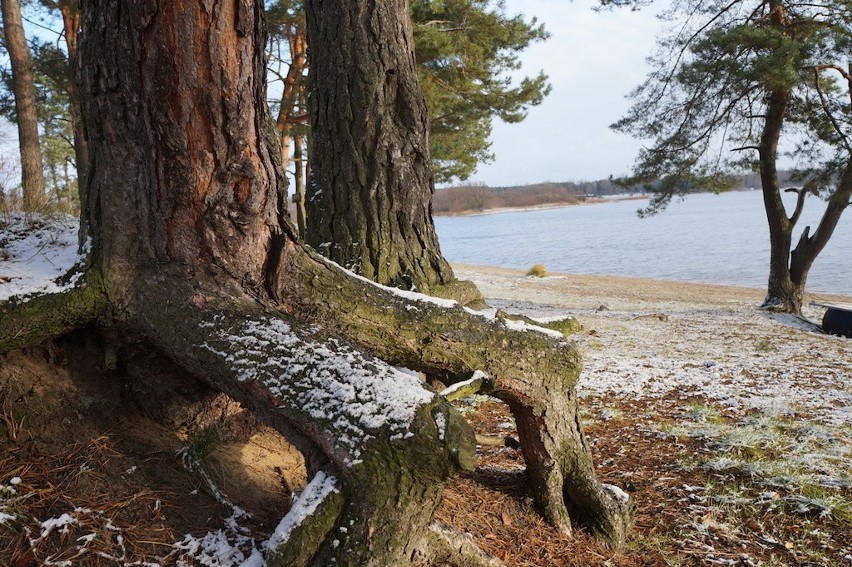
(477, 197)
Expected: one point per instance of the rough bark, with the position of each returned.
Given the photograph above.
(369, 196)
(23, 87)
(42, 318)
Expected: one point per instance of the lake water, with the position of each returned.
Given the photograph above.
(704, 238)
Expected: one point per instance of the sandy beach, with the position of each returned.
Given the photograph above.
(577, 291)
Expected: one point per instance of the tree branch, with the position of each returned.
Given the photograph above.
(802, 193)
(824, 102)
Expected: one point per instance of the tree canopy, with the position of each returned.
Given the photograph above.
(705, 101)
(738, 85)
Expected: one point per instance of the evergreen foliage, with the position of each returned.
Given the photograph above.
(737, 85)
(467, 53)
(704, 104)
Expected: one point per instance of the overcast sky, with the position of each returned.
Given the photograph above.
(594, 59)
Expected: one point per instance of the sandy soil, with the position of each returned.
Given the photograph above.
(576, 291)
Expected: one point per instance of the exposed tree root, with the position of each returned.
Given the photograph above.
(535, 373)
(391, 443)
(445, 547)
(47, 316)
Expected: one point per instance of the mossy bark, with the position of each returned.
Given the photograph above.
(369, 197)
(41, 318)
(534, 373)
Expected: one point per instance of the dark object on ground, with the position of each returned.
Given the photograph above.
(837, 321)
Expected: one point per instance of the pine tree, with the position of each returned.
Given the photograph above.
(738, 85)
(466, 51)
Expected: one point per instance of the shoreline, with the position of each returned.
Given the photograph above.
(543, 206)
(622, 293)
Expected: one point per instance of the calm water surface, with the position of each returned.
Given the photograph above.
(704, 238)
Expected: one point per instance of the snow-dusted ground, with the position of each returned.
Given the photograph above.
(646, 339)
(775, 379)
(34, 254)
(736, 377)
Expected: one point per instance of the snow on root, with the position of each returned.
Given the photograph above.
(351, 395)
(304, 507)
(33, 255)
(405, 294)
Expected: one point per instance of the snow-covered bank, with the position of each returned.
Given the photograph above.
(34, 254)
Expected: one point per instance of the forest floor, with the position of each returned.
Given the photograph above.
(731, 428)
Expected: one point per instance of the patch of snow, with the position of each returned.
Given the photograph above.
(441, 422)
(350, 394)
(477, 375)
(515, 325)
(320, 487)
(62, 523)
(782, 371)
(619, 494)
(34, 255)
(409, 295)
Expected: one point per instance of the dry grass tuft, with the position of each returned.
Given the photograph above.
(538, 271)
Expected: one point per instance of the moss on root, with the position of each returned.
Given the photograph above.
(47, 316)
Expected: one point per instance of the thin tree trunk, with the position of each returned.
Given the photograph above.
(369, 197)
(23, 87)
(782, 293)
(299, 182)
(71, 27)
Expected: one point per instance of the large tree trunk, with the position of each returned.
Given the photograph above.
(369, 201)
(193, 254)
(23, 87)
(187, 215)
